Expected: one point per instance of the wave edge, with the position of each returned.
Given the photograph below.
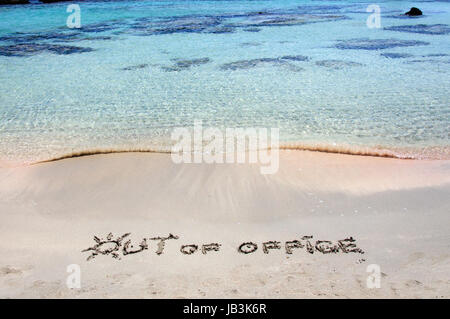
(322, 148)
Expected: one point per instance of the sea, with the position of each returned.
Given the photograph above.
(354, 77)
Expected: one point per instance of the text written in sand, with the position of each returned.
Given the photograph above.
(121, 246)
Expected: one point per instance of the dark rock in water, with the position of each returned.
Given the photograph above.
(96, 38)
(248, 64)
(66, 49)
(436, 54)
(223, 23)
(221, 30)
(6, 2)
(414, 12)
(22, 49)
(291, 19)
(72, 36)
(242, 64)
(38, 36)
(26, 49)
(376, 44)
(422, 28)
(189, 63)
(282, 61)
(250, 44)
(252, 29)
(433, 61)
(396, 55)
(185, 64)
(297, 58)
(99, 27)
(135, 67)
(337, 64)
(186, 24)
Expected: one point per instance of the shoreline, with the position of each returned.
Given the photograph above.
(426, 153)
(397, 211)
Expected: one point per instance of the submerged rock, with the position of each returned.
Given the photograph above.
(337, 64)
(99, 27)
(224, 23)
(19, 37)
(289, 19)
(54, 36)
(390, 55)
(219, 30)
(414, 12)
(437, 54)
(252, 29)
(433, 61)
(376, 44)
(135, 67)
(186, 24)
(422, 28)
(248, 64)
(300, 58)
(185, 64)
(26, 49)
(243, 64)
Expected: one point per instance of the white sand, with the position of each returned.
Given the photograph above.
(397, 210)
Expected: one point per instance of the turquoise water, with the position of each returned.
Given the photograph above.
(137, 69)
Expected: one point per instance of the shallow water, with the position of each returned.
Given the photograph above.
(137, 69)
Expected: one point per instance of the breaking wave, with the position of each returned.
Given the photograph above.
(429, 153)
(425, 153)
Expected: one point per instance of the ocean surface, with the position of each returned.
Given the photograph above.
(137, 69)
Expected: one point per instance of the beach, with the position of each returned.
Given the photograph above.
(100, 102)
(395, 210)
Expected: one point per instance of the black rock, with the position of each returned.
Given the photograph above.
(6, 2)
(414, 12)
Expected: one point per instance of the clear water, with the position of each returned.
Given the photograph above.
(156, 65)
